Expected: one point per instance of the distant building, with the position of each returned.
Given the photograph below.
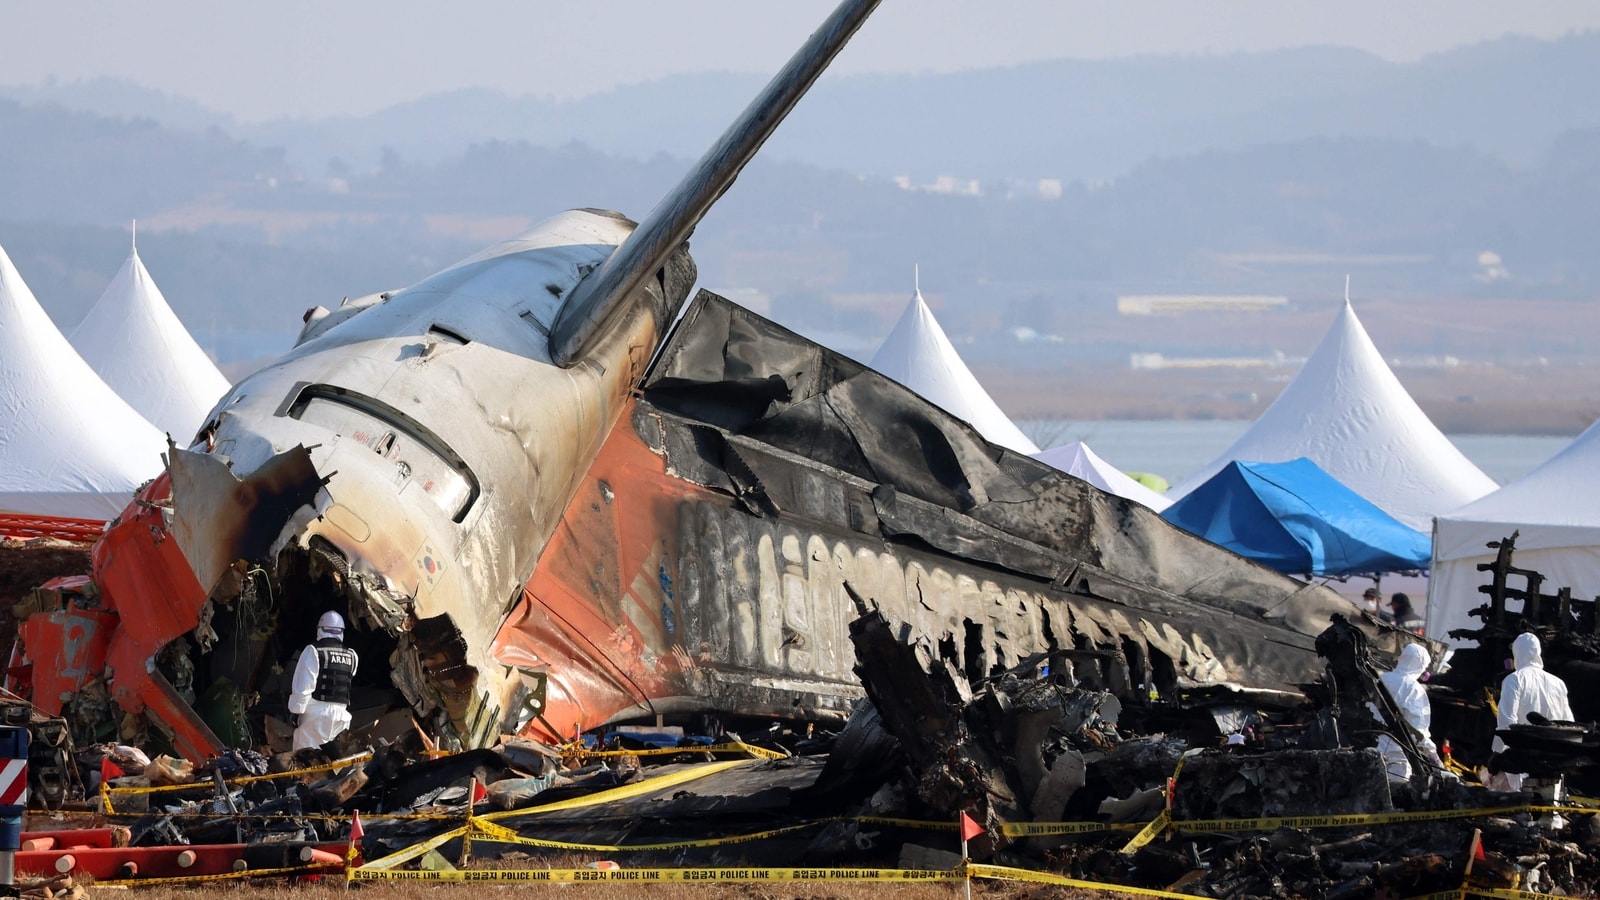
(1176, 304)
(1491, 267)
(1159, 361)
(1034, 189)
(943, 184)
(950, 184)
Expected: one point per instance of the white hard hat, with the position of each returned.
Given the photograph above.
(331, 621)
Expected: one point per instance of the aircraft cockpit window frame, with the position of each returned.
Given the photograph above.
(397, 425)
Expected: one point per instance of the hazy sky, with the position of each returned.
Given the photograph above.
(298, 57)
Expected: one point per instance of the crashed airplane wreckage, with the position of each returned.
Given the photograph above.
(757, 494)
(541, 513)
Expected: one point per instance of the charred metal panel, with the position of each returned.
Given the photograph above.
(596, 626)
(698, 571)
(731, 369)
(771, 595)
(142, 573)
(719, 545)
(219, 517)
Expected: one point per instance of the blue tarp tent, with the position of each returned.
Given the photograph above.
(1296, 518)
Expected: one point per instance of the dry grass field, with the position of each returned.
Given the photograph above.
(1474, 366)
(1554, 400)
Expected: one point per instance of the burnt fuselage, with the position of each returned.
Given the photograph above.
(763, 490)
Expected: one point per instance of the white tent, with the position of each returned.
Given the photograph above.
(1556, 507)
(69, 446)
(137, 345)
(1078, 460)
(1347, 413)
(918, 355)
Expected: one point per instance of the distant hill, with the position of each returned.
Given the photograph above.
(63, 166)
(119, 98)
(1066, 119)
(1473, 174)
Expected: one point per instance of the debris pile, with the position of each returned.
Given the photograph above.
(1282, 801)
(1073, 762)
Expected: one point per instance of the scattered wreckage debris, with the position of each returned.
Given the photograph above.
(1202, 789)
(1230, 798)
(1085, 757)
(1568, 629)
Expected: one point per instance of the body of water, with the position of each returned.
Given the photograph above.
(1175, 448)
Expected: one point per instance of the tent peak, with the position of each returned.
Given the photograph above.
(138, 345)
(1348, 412)
(918, 354)
(1081, 462)
(50, 462)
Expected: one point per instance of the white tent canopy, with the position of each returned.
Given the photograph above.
(69, 446)
(1347, 413)
(1556, 507)
(918, 355)
(137, 345)
(1078, 460)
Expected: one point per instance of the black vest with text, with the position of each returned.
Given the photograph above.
(336, 665)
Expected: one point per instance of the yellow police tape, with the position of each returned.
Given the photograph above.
(779, 874)
(475, 824)
(725, 747)
(1006, 873)
(1148, 833)
(619, 793)
(499, 834)
(1040, 829)
(484, 829)
(750, 874)
(574, 876)
(625, 792)
(480, 830)
(415, 850)
(1502, 893)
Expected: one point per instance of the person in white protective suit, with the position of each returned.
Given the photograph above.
(1528, 689)
(1404, 685)
(320, 692)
